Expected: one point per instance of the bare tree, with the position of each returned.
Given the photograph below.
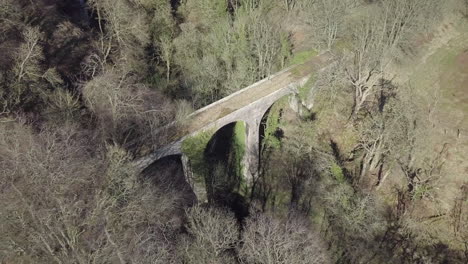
(269, 240)
(124, 35)
(213, 233)
(327, 20)
(28, 58)
(167, 50)
(61, 203)
(230, 53)
(127, 25)
(9, 14)
(377, 41)
(264, 43)
(365, 65)
(112, 97)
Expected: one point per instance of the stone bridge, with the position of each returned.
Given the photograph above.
(248, 105)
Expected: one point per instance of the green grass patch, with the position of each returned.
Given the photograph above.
(302, 56)
(337, 173)
(421, 191)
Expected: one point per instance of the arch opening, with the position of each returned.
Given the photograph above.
(168, 173)
(271, 135)
(224, 159)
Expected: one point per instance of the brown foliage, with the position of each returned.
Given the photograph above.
(267, 239)
(65, 201)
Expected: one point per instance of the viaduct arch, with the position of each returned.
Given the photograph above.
(248, 105)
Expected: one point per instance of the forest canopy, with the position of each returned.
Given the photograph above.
(364, 163)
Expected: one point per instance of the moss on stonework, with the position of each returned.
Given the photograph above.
(272, 124)
(303, 91)
(238, 149)
(194, 147)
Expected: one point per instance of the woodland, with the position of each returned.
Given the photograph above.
(366, 163)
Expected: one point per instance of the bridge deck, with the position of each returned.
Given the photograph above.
(209, 114)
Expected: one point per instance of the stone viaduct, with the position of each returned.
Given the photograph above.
(248, 105)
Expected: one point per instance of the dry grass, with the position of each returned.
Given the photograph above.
(441, 76)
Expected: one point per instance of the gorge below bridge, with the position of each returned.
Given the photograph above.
(248, 105)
